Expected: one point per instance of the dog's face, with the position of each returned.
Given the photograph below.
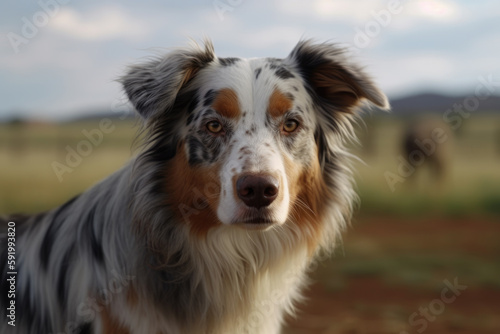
(249, 142)
(251, 128)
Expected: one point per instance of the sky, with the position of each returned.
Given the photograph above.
(61, 58)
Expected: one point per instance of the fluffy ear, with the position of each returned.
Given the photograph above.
(152, 87)
(337, 84)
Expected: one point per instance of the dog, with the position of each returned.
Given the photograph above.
(243, 178)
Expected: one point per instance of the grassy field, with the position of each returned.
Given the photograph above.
(471, 184)
(401, 247)
(28, 182)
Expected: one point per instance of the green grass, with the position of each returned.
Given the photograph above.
(28, 182)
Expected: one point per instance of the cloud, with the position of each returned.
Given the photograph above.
(438, 10)
(410, 14)
(46, 52)
(102, 24)
(344, 10)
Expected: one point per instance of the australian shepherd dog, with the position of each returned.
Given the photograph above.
(243, 178)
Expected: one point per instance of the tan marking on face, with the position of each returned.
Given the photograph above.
(279, 104)
(226, 104)
(308, 196)
(193, 193)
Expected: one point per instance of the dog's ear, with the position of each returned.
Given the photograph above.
(152, 87)
(337, 88)
(330, 78)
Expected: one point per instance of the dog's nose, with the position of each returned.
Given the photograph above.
(257, 191)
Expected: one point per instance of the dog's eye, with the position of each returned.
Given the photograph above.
(214, 127)
(290, 126)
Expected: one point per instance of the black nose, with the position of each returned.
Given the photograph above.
(257, 191)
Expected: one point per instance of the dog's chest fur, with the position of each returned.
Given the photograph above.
(230, 295)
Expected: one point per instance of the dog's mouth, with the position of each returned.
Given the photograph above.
(256, 224)
(255, 219)
(258, 220)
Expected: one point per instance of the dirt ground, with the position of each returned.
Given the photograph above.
(373, 304)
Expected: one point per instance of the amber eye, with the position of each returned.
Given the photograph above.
(290, 126)
(214, 127)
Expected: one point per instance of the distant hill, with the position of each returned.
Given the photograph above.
(96, 115)
(407, 106)
(437, 103)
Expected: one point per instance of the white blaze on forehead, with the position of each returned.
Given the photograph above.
(254, 146)
(237, 77)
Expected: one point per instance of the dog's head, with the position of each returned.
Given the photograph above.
(250, 142)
